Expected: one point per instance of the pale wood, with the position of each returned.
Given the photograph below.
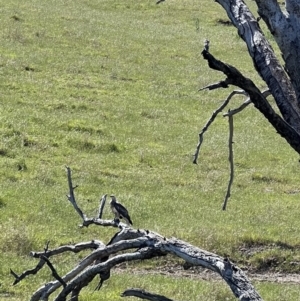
(213, 117)
(265, 61)
(130, 245)
(230, 159)
(284, 25)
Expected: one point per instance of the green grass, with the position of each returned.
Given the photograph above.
(111, 90)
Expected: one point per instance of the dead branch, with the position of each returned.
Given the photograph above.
(133, 240)
(221, 84)
(92, 271)
(27, 272)
(211, 120)
(71, 195)
(247, 102)
(101, 207)
(53, 270)
(33, 271)
(236, 78)
(142, 294)
(94, 244)
(145, 245)
(231, 72)
(149, 245)
(230, 158)
(85, 220)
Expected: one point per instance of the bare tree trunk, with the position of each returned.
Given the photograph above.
(285, 26)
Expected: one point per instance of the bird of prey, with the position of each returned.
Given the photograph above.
(119, 210)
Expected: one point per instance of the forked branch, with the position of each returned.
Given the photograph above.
(236, 78)
(212, 118)
(130, 245)
(85, 220)
(255, 96)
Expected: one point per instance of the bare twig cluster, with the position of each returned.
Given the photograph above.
(231, 73)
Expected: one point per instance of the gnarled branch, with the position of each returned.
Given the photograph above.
(145, 245)
(235, 77)
(212, 118)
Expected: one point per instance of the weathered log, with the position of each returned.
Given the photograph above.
(149, 245)
(139, 245)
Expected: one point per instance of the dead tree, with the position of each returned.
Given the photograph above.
(135, 244)
(282, 82)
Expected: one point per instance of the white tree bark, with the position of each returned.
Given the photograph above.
(285, 27)
(264, 58)
(149, 245)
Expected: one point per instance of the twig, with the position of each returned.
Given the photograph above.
(230, 158)
(248, 101)
(26, 273)
(212, 118)
(104, 275)
(101, 207)
(85, 220)
(54, 273)
(139, 293)
(71, 196)
(238, 109)
(230, 114)
(94, 244)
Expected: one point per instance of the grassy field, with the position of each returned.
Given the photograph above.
(111, 90)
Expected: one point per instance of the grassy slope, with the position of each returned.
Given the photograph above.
(110, 89)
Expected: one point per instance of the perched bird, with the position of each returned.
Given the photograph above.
(119, 210)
